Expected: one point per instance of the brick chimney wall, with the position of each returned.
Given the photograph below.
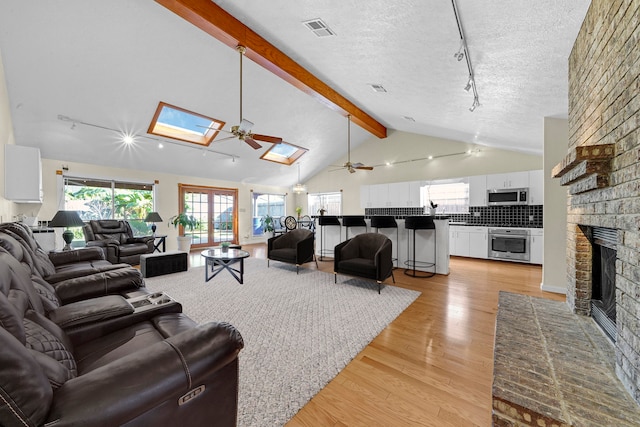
(604, 109)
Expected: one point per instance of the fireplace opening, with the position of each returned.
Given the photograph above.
(603, 290)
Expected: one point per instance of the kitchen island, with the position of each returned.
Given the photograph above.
(427, 249)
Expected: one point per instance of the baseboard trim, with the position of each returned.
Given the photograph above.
(554, 289)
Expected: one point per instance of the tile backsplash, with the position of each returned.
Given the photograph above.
(529, 216)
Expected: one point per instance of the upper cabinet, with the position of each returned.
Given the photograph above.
(508, 180)
(22, 174)
(394, 195)
(478, 190)
(536, 187)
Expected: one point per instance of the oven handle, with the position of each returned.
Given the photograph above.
(510, 236)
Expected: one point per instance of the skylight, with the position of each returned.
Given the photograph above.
(184, 125)
(284, 153)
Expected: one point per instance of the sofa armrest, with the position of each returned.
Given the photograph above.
(143, 239)
(85, 254)
(152, 378)
(99, 284)
(103, 243)
(90, 311)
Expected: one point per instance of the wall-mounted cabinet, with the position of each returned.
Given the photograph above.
(536, 187)
(22, 174)
(478, 190)
(394, 195)
(508, 180)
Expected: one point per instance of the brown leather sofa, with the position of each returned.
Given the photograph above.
(76, 274)
(115, 237)
(71, 365)
(367, 255)
(295, 247)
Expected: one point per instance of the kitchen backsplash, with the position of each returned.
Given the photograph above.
(508, 216)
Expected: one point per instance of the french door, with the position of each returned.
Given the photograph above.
(216, 209)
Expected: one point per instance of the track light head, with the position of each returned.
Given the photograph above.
(468, 86)
(459, 56)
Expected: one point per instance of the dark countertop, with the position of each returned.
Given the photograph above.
(484, 224)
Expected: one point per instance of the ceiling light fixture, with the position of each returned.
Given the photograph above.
(471, 84)
(299, 188)
(133, 136)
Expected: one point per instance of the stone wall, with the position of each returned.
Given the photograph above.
(604, 104)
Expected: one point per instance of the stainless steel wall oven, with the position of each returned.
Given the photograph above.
(509, 244)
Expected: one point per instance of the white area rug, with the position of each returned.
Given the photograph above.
(299, 330)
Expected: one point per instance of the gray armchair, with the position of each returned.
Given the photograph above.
(367, 255)
(115, 237)
(295, 247)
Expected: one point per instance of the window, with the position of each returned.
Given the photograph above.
(450, 196)
(109, 199)
(330, 202)
(266, 204)
(184, 125)
(284, 153)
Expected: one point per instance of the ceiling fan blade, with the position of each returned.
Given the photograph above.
(225, 138)
(366, 168)
(266, 138)
(252, 143)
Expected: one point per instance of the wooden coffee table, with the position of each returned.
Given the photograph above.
(217, 260)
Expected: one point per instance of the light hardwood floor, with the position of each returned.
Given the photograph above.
(433, 365)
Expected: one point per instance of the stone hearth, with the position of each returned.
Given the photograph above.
(555, 368)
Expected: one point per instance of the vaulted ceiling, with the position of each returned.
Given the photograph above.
(105, 66)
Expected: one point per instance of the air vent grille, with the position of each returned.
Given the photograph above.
(377, 87)
(319, 28)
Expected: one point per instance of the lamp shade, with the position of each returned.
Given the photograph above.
(153, 217)
(66, 219)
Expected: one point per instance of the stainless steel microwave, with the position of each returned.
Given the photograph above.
(508, 196)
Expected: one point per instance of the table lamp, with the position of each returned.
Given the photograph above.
(66, 219)
(153, 217)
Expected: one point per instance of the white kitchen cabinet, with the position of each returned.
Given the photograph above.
(380, 196)
(478, 190)
(458, 240)
(508, 180)
(536, 248)
(22, 174)
(478, 242)
(397, 194)
(365, 196)
(536, 187)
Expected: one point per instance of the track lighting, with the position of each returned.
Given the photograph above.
(463, 52)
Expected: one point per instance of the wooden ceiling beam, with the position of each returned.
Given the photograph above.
(214, 20)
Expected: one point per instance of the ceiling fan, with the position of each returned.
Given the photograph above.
(243, 130)
(351, 167)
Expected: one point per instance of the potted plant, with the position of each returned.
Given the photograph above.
(188, 222)
(268, 225)
(224, 246)
(298, 211)
(322, 211)
(432, 210)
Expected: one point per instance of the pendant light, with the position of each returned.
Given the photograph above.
(299, 188)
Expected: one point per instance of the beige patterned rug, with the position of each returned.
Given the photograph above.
(299, 330)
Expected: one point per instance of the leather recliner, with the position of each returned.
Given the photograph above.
(75, 275)
(367, 255)
(295, 247)
(115, 237)
(163, 370)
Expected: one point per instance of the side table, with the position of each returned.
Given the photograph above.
(161, 240)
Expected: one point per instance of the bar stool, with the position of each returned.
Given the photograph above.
(353, 221)
(326, 221)
(387, 221)
(414, 223)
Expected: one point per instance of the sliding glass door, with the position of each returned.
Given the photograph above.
(216, 209)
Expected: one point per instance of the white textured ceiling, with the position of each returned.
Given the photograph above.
(110, 63)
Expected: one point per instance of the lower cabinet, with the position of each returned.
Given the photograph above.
(468, 241)
(536, 248)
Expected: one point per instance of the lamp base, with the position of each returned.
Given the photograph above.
(67, 236)
(153, 229)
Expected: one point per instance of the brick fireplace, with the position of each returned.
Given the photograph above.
(602, 168)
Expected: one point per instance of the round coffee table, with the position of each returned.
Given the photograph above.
(217, 260)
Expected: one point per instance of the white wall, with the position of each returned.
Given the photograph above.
(554, 269)
(402, 146)
(7, 208)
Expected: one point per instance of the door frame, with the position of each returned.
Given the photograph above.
(211, 191)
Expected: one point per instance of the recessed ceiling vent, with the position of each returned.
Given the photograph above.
(319, 28)
(377, 87)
